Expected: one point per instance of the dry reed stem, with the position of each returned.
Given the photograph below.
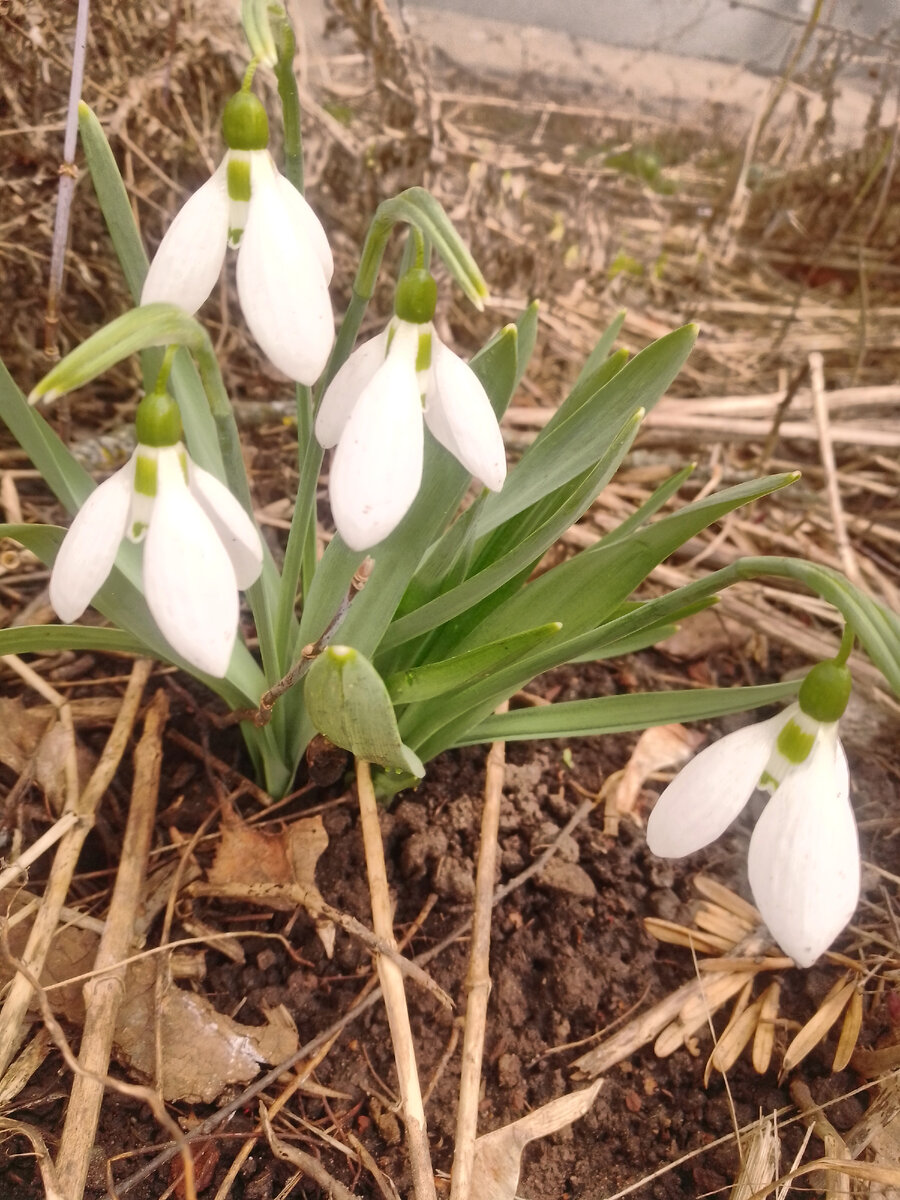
(820, 401)
(48, 838)
(103, 995)
(303, 1073)
(478, 977)
(304, 1162)
(18, 998)
(394, 996)
(691, 996)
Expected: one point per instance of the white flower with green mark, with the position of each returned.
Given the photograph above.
(373, 411)
(200, 546)
(804, 853)
(284, 261)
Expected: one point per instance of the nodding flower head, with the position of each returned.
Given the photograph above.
(373, 412)
(284, 261)
(803, 861)
(199, 545)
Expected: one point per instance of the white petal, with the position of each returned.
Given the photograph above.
(377, 467)
(89, 549)
(281, 285)
(346, 387)
(707, 794)
(190, 256)
(459, 414)
(236, 530)
(804, 854)
(189, 581)
(307, 223)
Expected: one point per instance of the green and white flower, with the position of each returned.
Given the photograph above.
(199, 545)
(373, 412)
(803, 861)
(284, 263)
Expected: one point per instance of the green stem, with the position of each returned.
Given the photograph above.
(299, 565)
(846, 646)
(290, 103)
(262, 593)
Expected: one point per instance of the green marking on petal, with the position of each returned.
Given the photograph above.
(238, 180)
(767, 782)
(234, 237)
(795, 743)
(145, 475)
(138, 529)
(423, 355)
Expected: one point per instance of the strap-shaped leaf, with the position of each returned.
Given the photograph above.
(622, 714)
(434, 679)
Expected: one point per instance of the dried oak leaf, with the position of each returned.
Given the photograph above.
(277, 870)
(32, 740)
(203, 1051)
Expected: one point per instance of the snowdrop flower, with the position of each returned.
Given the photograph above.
(200, 545)
(284, 261)
(373, 411)
(804, 853)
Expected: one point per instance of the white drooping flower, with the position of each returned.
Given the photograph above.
(373, 412)
(200, 546)
(803, 861)
(284, 263)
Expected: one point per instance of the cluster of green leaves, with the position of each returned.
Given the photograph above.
(452, 617)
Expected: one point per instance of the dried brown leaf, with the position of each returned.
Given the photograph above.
(719, 921)
(736, 1035)
(816, 1028)
(759, 1159)
(276, 870)
(203, 1051)
(711, 889)
(30, 740)
(682, 935)
(849, 1031)
(764, 1038)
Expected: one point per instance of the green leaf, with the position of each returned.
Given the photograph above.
(114, 202)
(67, 479)
(484, 586)
(424, 683)
(571, 446)
(348, 702)
(149, 325)
(418, 207)
(623, 714)
(121, 601)
(584, 590)
(47, 639)
(602, 350)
